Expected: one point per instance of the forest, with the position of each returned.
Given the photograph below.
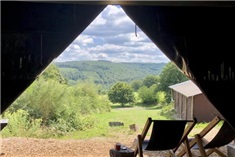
(106, 73)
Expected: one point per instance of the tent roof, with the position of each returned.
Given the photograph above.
(187, 88)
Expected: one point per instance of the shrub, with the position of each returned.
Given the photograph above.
(161, 97)
(147, 95)
(21, 125)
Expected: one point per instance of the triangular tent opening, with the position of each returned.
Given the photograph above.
(113, 36)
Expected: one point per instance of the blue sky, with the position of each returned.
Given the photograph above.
(111, 36)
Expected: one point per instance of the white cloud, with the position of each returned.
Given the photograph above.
(111, 36)
(99, 21)
(112, 10)
(107, 47)
(75, 46)
(83, 40)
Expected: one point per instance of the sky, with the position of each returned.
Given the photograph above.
(112, 37)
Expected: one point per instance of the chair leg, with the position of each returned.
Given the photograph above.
(140, 150)
(142, 136)
(209, 152)
(200, 145)
(218, 152)
(187, 148)
(171, 153)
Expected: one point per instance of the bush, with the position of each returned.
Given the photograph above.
(168, 111)
(21, 125)
(147, 95)
(58, 108)
(161, 97)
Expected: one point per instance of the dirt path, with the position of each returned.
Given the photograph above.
(33, 147)
(95, 147)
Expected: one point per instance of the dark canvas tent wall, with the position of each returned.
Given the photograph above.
(190, 102)
(197, 36)
(33, 34)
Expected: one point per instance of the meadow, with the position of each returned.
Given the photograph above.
(128, 115)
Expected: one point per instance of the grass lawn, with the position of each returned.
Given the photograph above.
(126, 115)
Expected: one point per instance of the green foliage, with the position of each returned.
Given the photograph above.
(62, 126)
(60, 108)
(21, 125)
(168, 111)
(147, 95)
(107, 73)
(121, 93)
(127, 116)
(46, 100)
(53, 73)
(150, 80)
(170, 75)
(137, 98)
(95, 125)
(136, 84)
(88, 101)
(161, 97)
(50, 108)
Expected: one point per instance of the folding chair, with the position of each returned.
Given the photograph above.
(165, 135)
(224, 136)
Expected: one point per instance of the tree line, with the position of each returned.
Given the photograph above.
(153, 89)
(106, 73)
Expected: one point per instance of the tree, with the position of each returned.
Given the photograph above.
(121, 93)
(150, 80)
(136, 84)
(147, 95)
(53, 73)
(170, 75)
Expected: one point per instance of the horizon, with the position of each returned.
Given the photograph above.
(109, 61)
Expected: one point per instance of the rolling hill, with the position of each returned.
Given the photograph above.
(107, 73)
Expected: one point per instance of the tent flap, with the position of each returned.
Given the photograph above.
(32, 35)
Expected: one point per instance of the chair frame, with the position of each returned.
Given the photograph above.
(205, 152)
(183, 141)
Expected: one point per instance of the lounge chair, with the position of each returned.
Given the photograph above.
(224, 136)
(166, 135)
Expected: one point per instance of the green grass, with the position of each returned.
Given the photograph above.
(127, 115)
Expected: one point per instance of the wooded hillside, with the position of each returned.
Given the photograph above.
(107, 73)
